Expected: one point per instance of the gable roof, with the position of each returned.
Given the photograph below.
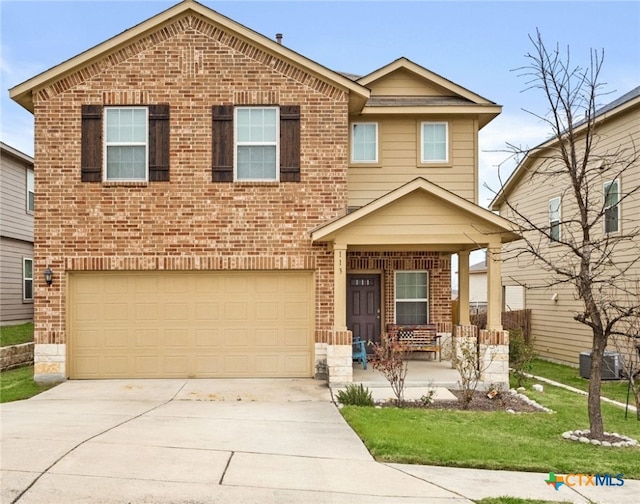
(23, 93)
(605, 113)
(505, 228)
(452, 99)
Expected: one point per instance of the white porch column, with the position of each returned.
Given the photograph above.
(339, 287)
(463, 288)
(494, 287)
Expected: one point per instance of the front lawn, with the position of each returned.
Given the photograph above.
(16, 334)
(17, 384)
(567, 375)
(498, 440)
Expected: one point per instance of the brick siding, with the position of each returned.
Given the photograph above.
(190, 222)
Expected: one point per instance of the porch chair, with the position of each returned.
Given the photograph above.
(359, 351)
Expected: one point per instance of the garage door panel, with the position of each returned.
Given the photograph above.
(294, 364)
(206, 311)
(204, 324)
(208, 365)
(266, 338)
(268, 365)
(207, 338)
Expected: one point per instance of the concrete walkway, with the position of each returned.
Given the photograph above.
(221, 441)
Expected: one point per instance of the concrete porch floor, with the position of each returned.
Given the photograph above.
(422, 375)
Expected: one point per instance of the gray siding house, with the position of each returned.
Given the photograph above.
(16, 236)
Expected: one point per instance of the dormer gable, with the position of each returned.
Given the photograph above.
(404, 87)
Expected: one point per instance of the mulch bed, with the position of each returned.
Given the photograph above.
(503, 401)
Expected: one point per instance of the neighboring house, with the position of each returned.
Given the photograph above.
(557, 335)
(512, 295)
(214, 204)
(16, 236)
(478, 287)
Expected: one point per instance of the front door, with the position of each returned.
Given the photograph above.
(363, 307)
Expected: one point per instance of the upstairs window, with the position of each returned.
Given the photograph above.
(255, 144)
(256, 141)
(611, 207)
(412, 297)
(27, 279)
(364, 142)
(126, 148)
(31, 192)
(435, 142)
(554, 219)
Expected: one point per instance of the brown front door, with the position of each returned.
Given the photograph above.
(363, 307)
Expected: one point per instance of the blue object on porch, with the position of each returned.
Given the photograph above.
(359, 351)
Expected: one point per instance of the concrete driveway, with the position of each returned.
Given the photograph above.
(218, 441)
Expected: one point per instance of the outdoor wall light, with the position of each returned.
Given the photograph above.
(554, 298)
(48, 276)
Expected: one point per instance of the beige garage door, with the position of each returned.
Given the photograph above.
(190, 325)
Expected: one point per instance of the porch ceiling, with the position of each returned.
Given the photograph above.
(420, 215)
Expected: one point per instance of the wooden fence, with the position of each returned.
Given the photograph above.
(517, 319)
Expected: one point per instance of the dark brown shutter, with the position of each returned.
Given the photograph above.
(159, 143)
(91, 149)
(290, 143)
(222, 143)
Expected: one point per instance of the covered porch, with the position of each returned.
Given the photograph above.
(392, 265)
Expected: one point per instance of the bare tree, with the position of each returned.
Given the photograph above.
(596, 264)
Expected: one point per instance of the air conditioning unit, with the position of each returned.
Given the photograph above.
(610, 365)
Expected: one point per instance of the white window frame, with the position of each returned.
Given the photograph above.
(126, 144)
(237, 144)
(25, 279)
(556, 221)
(396, 300)
(353, 144)
(605, 207)
(31, 191)
(446, 140)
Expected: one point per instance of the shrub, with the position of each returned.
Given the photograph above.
(521, 355)
(355, 395)
(390, 358)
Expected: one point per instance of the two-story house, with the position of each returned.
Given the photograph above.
(16, 236)
(214, 204)
(551, 206)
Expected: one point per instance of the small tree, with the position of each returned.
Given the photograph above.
(594, 263)
(390, 358)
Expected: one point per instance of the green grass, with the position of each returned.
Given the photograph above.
(498, 440)
(17, 384)
(567, 375)
(514, 500)
(16, 334)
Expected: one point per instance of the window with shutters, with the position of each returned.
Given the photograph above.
(255, 144)
(126, 143)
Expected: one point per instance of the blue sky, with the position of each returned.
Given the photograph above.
(476, 44)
